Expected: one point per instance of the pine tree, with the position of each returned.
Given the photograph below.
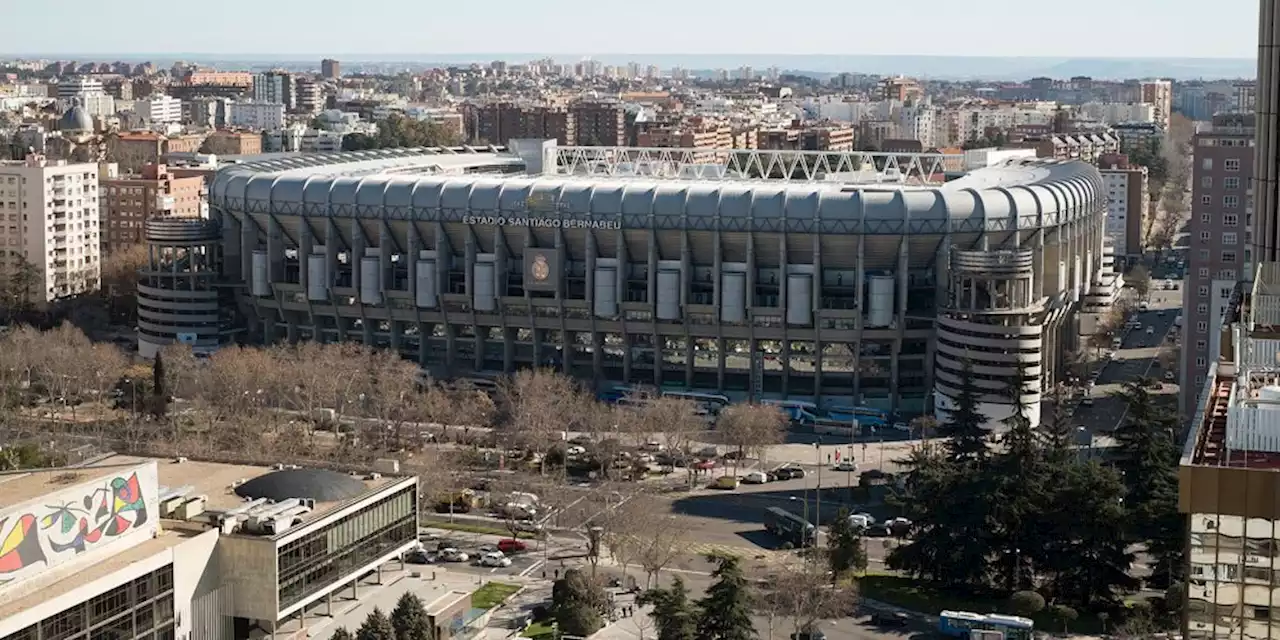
(672, 613)
(410, 619)
(376, 627)
(157, 376)
(1057, 435)
(342, 634)
(726, 609)
(845, 552)
(1148, 461)
(1093, 560)
(576, 603)
(1018, 474)
(966, 426)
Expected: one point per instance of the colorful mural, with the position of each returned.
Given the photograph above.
(90, 515)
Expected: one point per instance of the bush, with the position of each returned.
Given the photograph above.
(1064, 614)
(1026, 603)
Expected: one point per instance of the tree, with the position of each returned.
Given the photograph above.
(120, 280)
(965, 425)
(576, 604)
(376, 627)
(678, 422)
(1147, 443)
(672, 612)
(541, 405)
(803, 593)
(341, 633)
(410, 619)
(1026, 603)
(845, 551)
(19, 284)
(751, 428)
(1087, 554)
(1139, 277)
(726, 608)
(1063, 614)
(659, 541)
(1019, 477)
(157, 374)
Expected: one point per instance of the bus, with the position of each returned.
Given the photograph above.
(713, 403)
(793, 529)
(866, 416)
(960, 624)
(796, 410)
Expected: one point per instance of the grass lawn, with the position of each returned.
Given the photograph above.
(927, 598)
(538, 630)
(470, 527)
(492, 594)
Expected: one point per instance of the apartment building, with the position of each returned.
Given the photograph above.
(695, 134)
(1137, 135)
(159, 109)
(1128, 198)
(233, 143)
(261, 116)
(500, 122)
(136, 149)
(1159, 94)
(309, 97)
(127, 202)
(330, 69)
(1220, 233)
(50, 220)
(600, 124)
(88, 93)
(275, 87)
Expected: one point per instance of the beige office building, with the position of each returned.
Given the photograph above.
(49, 217)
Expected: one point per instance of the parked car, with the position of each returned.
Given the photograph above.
(847, 466)
(793, 472)
(453, 555)
(511, 545)
(889, 619)
(417, 556)
(494, 559)
(725, 482)
(755, 477)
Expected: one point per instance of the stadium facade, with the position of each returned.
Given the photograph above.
(862, 279)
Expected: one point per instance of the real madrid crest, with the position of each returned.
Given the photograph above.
(540, 269)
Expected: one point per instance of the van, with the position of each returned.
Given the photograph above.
(755, 477)
(725, 482)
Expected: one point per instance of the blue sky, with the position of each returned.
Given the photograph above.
(1075, 28)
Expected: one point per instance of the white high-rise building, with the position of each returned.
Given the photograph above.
(88, 91)
(159, 109)
(262, 116)
(49, 218)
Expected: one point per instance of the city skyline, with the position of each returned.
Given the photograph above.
(1169, 28)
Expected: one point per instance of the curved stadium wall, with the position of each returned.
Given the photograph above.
(842, 294)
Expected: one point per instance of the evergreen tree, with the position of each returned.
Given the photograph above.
(845, 552)
(342, 634)
(1057, 435)
(672, 613)
(1093, 561)
(1148, 461)
(157, 376)
(576, 604)
(376, 627)
(952, 530)
(410, 619)
(1020, 493)
(966, 426)
(726, 609)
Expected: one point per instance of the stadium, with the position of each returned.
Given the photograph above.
(852, 280)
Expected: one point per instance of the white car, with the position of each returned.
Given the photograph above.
(453, 555)
(901, 426)
(1151, 330)
(575, 450)
(755, 477)
(846, 465)
(494, 559)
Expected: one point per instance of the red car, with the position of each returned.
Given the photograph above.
(511, 545)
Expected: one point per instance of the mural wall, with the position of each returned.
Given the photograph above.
(69, 523)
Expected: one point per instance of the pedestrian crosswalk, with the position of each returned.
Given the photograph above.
(746, 553)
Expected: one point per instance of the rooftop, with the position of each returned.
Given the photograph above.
(1237, 422)
(42, 588)
(217, 481)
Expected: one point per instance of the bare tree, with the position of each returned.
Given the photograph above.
(120, 280)
(392, 394)
(542, 405)
(678, 423)
(657, 543)
(804, 593)
(751, 429)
